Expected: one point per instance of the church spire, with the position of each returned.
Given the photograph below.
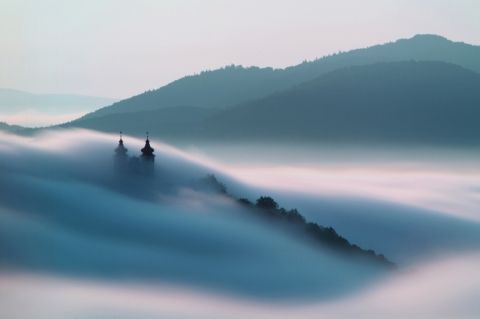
(121, 150)
(147, 150)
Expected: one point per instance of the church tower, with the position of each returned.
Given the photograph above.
(147, 157)
(121, 150)
(121, 158)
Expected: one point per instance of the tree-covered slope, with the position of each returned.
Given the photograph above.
(398, 101)
(171, 122)
(229, 86)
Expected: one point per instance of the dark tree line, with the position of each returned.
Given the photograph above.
(266, 207)
(293, 222)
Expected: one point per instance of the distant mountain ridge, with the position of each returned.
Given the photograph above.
(421, 47)
(418, 90)
(401, 102)
(233, 85)
(419, 102)
(12, 101)
(38, 110)
(12, 128)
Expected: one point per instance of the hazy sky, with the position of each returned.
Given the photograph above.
(117, 48)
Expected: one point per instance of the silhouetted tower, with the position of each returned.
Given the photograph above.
(121, 157)
(147, 157)
(121, 150)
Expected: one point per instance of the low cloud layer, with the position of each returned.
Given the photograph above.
(443, 289)
(65, 210)
(78, 239)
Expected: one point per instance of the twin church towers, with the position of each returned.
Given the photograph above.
(144, 164)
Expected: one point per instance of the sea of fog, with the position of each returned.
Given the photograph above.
(79, 240)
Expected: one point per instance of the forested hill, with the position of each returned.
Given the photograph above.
(397, 102)
(386, 102)
(232, 85)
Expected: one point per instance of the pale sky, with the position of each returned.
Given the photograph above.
(117, 48)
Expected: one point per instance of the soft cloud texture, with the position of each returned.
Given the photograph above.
(443, 289)
(65, 210)
(80, 241)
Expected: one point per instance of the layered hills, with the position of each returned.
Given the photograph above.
(431, 102)
(419, 90)
(232, 85)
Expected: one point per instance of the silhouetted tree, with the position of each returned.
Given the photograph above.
(294, 216)
(266, 202)
(294, 221)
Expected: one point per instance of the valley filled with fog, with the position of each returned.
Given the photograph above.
(422, 191)
(79, 239)
(239, 159)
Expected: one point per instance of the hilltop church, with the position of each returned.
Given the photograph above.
(144, 164)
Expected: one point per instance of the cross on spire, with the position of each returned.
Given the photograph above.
(121, 150)
(147, 150)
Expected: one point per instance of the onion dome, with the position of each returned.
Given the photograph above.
(147, 150)
(121, 150)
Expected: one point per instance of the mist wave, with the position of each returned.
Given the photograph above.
(64, 210)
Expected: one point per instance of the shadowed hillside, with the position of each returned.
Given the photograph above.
(232, 85)
(401, 101)
(12, 128)
(170, 123)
